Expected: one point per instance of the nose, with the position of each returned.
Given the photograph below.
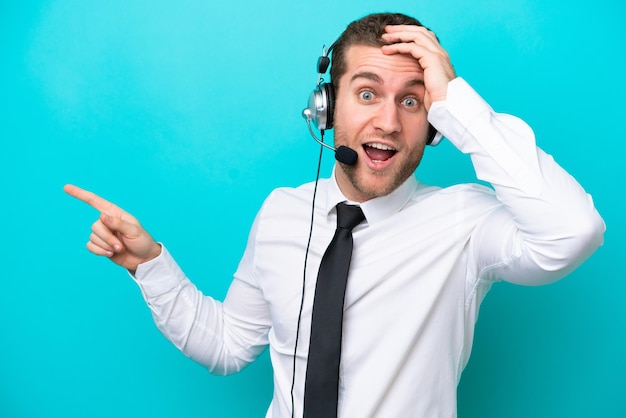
(387, 118)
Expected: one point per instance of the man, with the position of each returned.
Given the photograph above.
(423, 258)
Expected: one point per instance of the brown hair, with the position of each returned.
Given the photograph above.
(366, 31)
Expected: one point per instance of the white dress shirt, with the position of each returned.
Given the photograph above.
(422, 263)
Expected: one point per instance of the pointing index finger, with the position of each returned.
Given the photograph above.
(92, 200)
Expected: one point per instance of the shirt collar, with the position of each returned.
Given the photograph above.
(377, 209)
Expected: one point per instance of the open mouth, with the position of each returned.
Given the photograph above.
(379, 152)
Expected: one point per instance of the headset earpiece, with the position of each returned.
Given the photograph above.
(329, 94)
(322, 99)
(432, 134)
(321, 107)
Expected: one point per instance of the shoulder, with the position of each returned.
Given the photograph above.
(290, 202)
(463, 190)
(467, 196)
(292, 195)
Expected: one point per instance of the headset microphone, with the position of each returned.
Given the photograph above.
(346, 155)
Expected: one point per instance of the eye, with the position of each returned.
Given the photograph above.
(366, 95)
(410, 102)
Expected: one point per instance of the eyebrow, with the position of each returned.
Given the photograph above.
(375, 78)
(367, 75)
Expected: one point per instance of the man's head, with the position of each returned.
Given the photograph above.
(379, 108)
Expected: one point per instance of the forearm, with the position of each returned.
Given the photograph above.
(198, 325)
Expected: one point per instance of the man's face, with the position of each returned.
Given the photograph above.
(380, 114)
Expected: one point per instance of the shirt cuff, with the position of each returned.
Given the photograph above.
(159, 275)
(453, 116)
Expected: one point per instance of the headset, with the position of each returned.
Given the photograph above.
(321, 108)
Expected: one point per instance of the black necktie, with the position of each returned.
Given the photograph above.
(322, 373)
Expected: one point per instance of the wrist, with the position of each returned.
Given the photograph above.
(154, 252)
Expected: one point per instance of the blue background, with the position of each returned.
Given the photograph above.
(172, 108)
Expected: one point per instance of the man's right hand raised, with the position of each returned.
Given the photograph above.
(116, 234)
